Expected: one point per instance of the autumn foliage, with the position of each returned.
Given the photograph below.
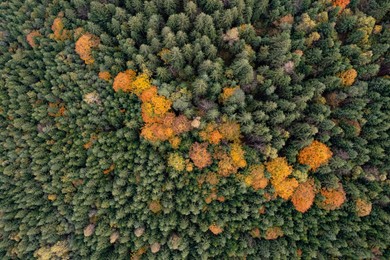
(105, 75)
(256, 178)
(280, 170)
(84, 47)
(363, 207)
(315, 155)
(199, 155)
(123, 80)
(348, 77)
(31, 37)
(273, 233)
(334, 198)
(303, 196)
(341, 3)
(215, 229)
(59, 31)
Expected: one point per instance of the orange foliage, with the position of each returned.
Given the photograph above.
(199, 155)
(84, 47)
(155, 206)
(148, 94)
(212, 178)
(341, 3)
(255, 233)
(215, 229)
(156, 132)
(105, 75)
(181, 124)
(273, 233)
(60, 111)
(211, 134)
(256, 178)
(175, 142)
(304, 196)
(60, 34)
(315, 155)
(348, 77)
(110, 169)
(334, 198)
(228, 92)
(90, 142)
(237, 154)
(363, 207)
(225, 164)
(123, 81)
(31, 37)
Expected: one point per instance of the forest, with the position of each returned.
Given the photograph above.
(194, 129)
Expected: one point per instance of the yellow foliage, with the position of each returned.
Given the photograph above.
(181, 124)
(155, 206)
(175, 142)
(105, 75)
(279, 169)
(211, 134)
(363, 207)
(348, 77)
(230, 131)
(59, 250)
(237, 155)
(84, 47)
(303, 196)
(285, 189)
(31, 37)
(315, 155)
(52, 197)
(141, 83)
(176, 161)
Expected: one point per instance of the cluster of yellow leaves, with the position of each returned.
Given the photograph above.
(303, 196)
(59, 33)
(59, 250)
(315, 155)
(211, 134)
(155, 206)
(199, 155)
(237, 155)
(273, 233)
(348, 77)
(176, 161)
(280, 170)
(334, 198)
(84, 47)
(256, 178)
(31, 37)
(215, 229)
(363, 207)
(105, 75)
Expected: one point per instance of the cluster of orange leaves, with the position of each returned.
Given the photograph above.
(160, 123)
(227, 93)
(256, 178)
(199, 155)
(341, 3)
(31, 37)
(215, 229)
(280, 170)
(59, 31)
(315, 155)
(60, 109)
(303, 196)
(348, 77)
(105, 75)
(84, 47)
(273, 233)
(334, 198)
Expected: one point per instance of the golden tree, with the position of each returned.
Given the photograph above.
(303, 196)
(176, 161)
(237, 155)
(59, 33)
(105, 75)
(256, 178)
(315, 155)
(273, 233)
(84, 47)
(279, 169)
(348, 77)
(215, 229)
(363, 207)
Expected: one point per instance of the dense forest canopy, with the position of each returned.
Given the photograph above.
(194, 129)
